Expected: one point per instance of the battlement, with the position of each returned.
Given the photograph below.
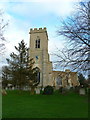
(67, 70)
(38, 30)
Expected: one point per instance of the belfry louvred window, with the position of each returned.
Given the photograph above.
(37, 44)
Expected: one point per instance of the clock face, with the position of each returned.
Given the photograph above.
(37, 57)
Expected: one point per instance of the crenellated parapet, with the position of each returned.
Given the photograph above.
(38, 30)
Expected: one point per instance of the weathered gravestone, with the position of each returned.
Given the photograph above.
(82, 91)
(37, 90)
(6, 88)
(13, 88)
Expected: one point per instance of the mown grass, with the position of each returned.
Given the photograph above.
(24, 105)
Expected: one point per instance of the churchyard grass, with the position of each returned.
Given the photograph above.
(24, 105)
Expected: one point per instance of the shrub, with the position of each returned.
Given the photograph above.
(48, 90)
(71, 88)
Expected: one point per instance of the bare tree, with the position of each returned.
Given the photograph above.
(76, 31)
(3, 25)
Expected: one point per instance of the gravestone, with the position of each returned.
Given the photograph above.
(12, 88)
(37, 90)
(82, 91)
(6, 88)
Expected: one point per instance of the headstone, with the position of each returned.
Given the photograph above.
(6, 88)
(82, 91)
(26, 88)
(37, 90)
(12, 88)
(43, 89)
(9, 85)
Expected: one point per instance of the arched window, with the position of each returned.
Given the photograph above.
(38, 74)
(37, 44)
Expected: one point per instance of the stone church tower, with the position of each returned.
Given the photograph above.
(39, 52)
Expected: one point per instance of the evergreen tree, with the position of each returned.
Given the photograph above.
(22, 67)
(32, 78)
(17, 64)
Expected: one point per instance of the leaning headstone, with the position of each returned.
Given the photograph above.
(82, 91)
(37, 90)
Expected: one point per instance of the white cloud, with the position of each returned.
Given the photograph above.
(36, 8)
(15, 32)
(42, 8)
(18, 28)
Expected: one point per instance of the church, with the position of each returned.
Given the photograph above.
(39, 52)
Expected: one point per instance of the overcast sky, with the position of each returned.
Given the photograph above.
(26, 14)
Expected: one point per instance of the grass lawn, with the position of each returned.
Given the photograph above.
(24, 105)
